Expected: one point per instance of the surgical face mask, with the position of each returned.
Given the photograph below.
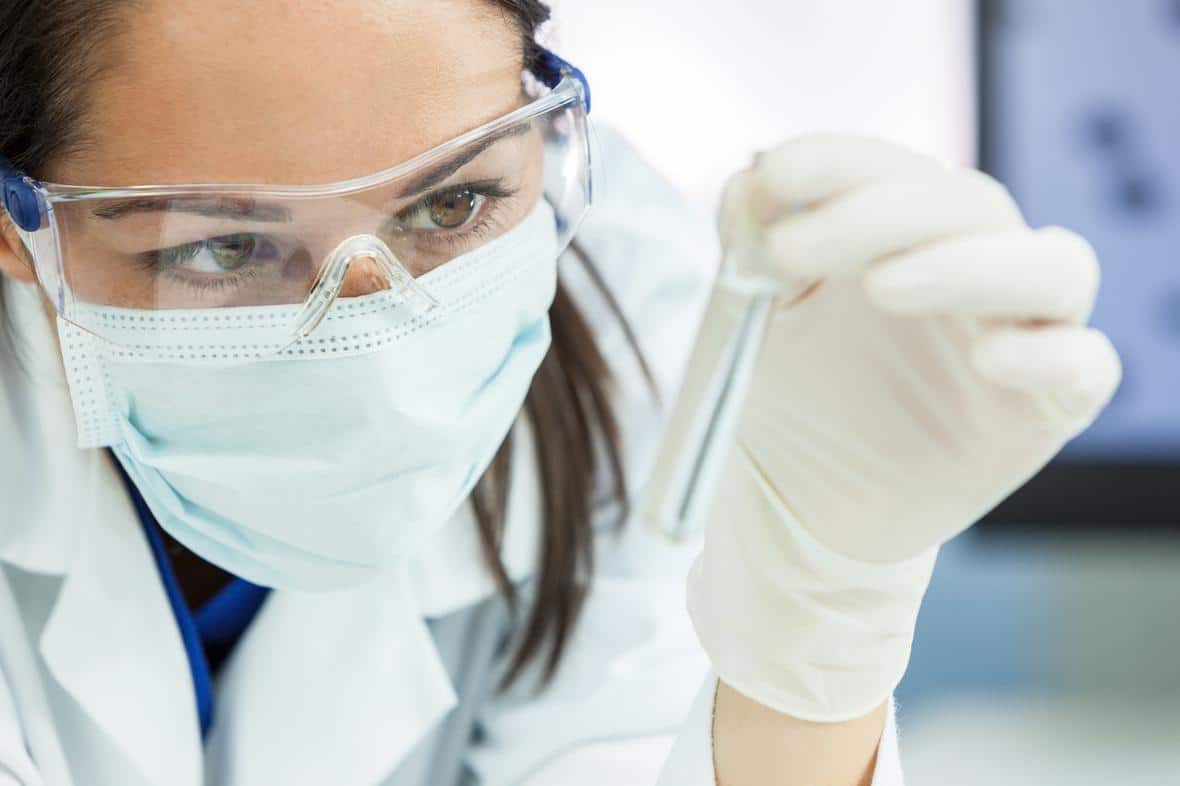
(321, 466)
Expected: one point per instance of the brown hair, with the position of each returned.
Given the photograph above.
(576, 436)
(48, 55)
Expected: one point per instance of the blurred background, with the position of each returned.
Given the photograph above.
(1048, 651)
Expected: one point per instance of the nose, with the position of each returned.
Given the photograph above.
(366, 275)
(361, 265)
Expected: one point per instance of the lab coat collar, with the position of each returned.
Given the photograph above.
(328, 688)
(339, 687)
(45, 481)
(110, 640)
(112, 643)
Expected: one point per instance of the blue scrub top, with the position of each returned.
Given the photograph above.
(210, 631)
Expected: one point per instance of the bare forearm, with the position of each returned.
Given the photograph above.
(757, 746)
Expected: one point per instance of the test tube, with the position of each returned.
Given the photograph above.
(700, 432)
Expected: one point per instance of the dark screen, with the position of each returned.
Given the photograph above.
(1080, 117)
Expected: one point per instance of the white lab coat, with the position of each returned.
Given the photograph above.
(325, 689)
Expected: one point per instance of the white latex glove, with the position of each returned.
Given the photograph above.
(939, 361)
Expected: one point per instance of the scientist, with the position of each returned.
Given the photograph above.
(317, 476)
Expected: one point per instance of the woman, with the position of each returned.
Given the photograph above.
(262, 521)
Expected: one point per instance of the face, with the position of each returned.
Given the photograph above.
(218, 91)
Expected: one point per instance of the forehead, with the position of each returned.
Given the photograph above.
(272, 91)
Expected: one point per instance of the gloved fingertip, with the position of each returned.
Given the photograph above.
(792, 252)
(776, 173)
(1099, 374)
(1078, 368)
(899, 288)
(1003, 359)
(744, 205)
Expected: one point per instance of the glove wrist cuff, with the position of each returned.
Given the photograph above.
(794, 625)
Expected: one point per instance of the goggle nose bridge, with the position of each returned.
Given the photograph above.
(334, 271)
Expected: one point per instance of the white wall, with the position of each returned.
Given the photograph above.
(700, 85)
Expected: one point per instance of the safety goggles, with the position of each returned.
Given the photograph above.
(110, 257)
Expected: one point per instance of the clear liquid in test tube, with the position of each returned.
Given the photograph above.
(700, 433)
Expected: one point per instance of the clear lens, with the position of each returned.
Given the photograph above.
(199, 248)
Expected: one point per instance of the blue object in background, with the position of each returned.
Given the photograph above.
(1082, 122)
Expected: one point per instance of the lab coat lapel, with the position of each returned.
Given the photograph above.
(44, 478)
(337, 688)
(112, 643)
(328, 688)
(110, 640)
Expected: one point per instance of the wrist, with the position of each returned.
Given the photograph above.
(753, 744)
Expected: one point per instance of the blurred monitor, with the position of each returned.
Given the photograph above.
(1080, 117)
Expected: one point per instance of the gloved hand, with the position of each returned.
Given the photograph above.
(930, 356)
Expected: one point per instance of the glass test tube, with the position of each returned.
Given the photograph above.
(701, 430)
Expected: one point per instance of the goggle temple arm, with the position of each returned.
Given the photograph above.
(551, 69)
(20, 197)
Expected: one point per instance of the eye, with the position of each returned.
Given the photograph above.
(216, 256)
(232, 252)
(443, 210)
(453, 209)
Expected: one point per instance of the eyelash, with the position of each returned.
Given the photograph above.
(151, 262)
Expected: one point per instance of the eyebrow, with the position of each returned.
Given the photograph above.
(208, 207)
(441, 172)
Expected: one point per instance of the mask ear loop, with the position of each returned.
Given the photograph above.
(334, 270)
